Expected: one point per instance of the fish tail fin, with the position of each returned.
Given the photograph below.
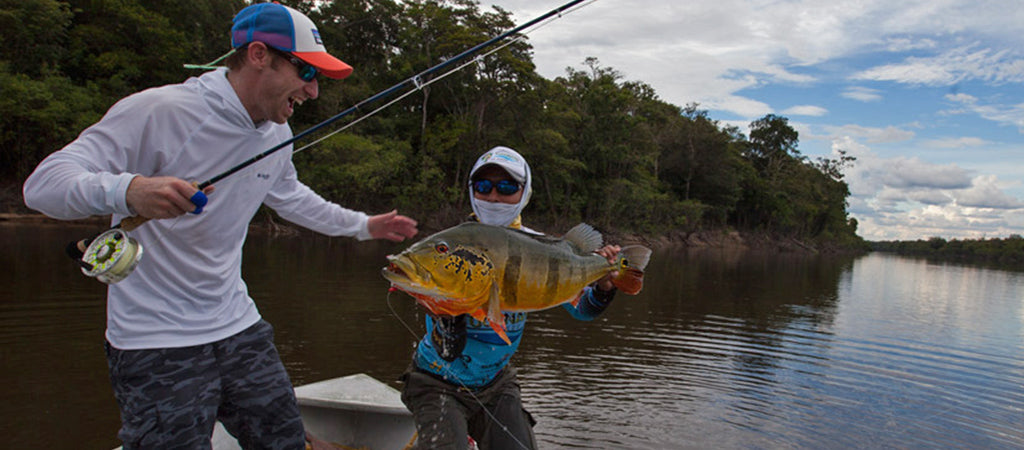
(630, 280)
(631, 264)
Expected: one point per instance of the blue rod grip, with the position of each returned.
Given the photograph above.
(199, 199)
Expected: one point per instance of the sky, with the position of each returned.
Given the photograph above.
(928, 95)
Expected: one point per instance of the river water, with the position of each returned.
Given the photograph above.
(720, 350)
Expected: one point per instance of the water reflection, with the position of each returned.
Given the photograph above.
(722, 350)
(762, 351)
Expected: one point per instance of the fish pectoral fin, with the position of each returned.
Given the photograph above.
(499, 327)
(479, 314)
(576, 301)
(494, 316)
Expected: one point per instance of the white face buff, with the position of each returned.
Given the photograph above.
(499, 213)
(496, 213)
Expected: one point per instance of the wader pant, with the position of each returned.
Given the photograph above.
(445, 413)
(171, 398)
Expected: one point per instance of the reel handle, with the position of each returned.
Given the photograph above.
(131, 223)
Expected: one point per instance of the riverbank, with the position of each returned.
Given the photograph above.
(732, 240)
(13, 210)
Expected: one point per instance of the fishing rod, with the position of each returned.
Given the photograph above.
(415, 81)
(112, 255)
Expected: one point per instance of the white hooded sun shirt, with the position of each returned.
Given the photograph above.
(187, 289)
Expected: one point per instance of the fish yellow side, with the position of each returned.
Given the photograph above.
(483, 270)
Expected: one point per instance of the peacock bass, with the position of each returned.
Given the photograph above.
(483, 270)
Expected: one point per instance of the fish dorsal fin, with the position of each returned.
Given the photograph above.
(585, 237)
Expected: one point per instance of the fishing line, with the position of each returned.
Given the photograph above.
(394, 313)
(419, 87)
(111, 248)
(419, 84)
(465, 388)
(414, 80)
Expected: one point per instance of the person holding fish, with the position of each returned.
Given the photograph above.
(185, 343)
(479, 280)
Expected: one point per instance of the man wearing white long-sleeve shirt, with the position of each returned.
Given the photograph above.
(186, 344)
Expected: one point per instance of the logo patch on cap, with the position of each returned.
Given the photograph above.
(316, 37)
(506, 157)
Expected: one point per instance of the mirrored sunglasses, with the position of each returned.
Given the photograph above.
(306, 72)
(505, 187)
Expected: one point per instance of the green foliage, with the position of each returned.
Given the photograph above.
(33, 35)
(1007, 252)
(353, 170)
(602, 149)
(62, 64)
(39, 115)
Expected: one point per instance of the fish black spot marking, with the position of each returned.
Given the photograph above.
(468, 256)
(464, 256)
(458, 265)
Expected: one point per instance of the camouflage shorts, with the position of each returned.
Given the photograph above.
(445, 413)
(172, 397)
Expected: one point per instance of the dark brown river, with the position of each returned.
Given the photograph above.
(720, 350)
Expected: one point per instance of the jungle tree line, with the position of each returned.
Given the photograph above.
(603, 149)
(1006, 252)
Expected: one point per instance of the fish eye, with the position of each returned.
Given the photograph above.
(441, 248)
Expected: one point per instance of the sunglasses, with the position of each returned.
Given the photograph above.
(505, 187)
(306, 72)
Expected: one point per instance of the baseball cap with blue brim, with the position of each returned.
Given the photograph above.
(287, 30)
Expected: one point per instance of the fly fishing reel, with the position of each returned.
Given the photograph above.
(111, 256)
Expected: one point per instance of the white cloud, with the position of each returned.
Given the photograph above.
(897, 44)
(869, 134)
(862, 94)
(985, 192)
(955, 142)
(929, 197)
(805, 110)
(737, 58)
(1012, 115)
(944, 221)
(913, 173)
(740, 105)
(908, 198)
(952, 67)
(962, 98)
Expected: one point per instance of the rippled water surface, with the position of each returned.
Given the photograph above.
(720, 350)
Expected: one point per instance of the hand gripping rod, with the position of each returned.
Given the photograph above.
(200, 199)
